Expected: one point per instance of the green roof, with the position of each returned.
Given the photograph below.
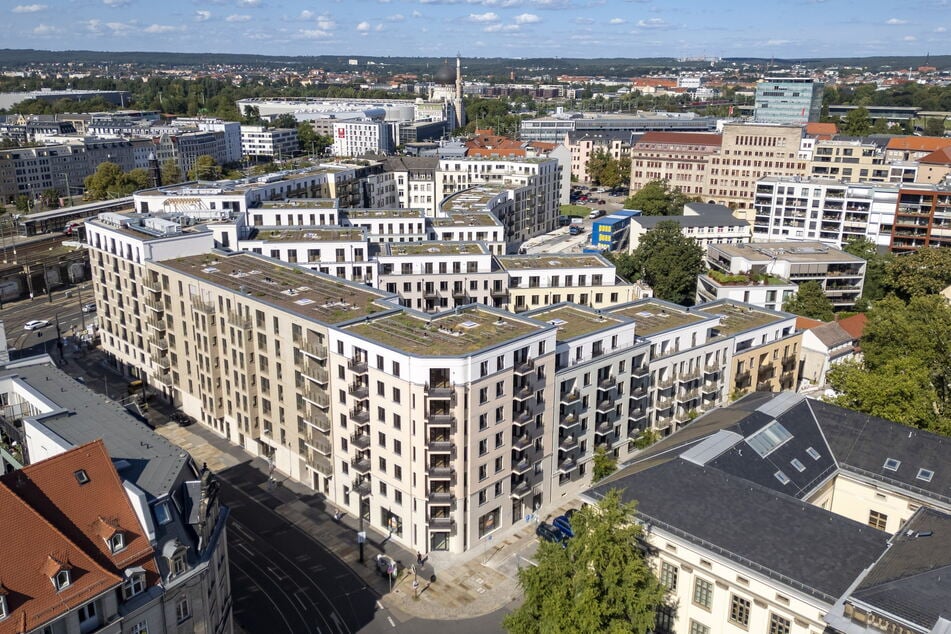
(574, 322)
(553, 261)
(651, 317)
(433, 248)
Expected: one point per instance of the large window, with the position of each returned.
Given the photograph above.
(668, 576)
(740, 611)
(877, 520)
(664, 621)
(489, 522)
(698, 628)
(703, 593)
(182, 610)
(133, 585)
(779, 625)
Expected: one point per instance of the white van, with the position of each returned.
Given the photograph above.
(595, 213)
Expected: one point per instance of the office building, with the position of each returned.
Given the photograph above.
(706, 223)
(788, 100)
(680, 158)
(269, 143)
(552, 129)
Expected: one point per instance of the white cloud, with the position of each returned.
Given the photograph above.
(776, 42)
(940, 29)
(484, 17)
(313, 34)
(496, 28)
(363, 26)
(894, 21)
(115, 3)
(306, 15)
(378, 28)
(397, 17)
(527, 18)
(417, 14)
(249, 3)
(202, 16)
(120, 28)
(28, 8)
(617, 21)
(652, 23)
(238, 18)
(45, 29)
(910, 38)
(162, 28)
(584, 20)
(326, 23)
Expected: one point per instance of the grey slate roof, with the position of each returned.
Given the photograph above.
(773, 533)
(143, 457)
(832, 334)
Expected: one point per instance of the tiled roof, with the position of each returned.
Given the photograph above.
(90, 513)
(854, 325)
(805, 323)
(31, 548)
(832, 335)
(825, 130)
(938, 157)
(685, 138)
(918, 143)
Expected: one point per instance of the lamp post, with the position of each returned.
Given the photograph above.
(69, 191)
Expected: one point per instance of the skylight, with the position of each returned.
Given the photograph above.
(782, 477)
(798, 466)
(81, 476)
(925, 475)
(891, 464)
(813, 453)
(769, 438)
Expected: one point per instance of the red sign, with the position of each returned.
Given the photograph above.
(341, 133)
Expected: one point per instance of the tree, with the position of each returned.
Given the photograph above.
(934, 126)
(607, 171)
(925, 272)
(205, 168)
(170, 173)
(311, 142)
(285, 120)
(104, 182)
(599, 582)
(251, 116)
(50, 198)
(656, 198)
(604, 464)
(669, 262)
(857, 122)
(810, 301)
(875, 265)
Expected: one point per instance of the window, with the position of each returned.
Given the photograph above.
(877, 520)
(397, 448)
(664, 619)
(483, 474)
(782, 477)
(797, 465)
(177, 564)
(668, 576)
(142, 627)
(117, 542)
(482, 497)
(813, 453)
(698, 628)
(778, 624)
(133, 585)
(61, 580)
(925, 475)
(182, 611)
(81, 477)
(891, 464)
(703, 593)
(499, 439)
(3, 606)
(489, 522)
(499, 464)
(397, 472)
(740, 611)
(87, 612)
(483, 447)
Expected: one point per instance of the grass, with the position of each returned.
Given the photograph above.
(744, 279)
(575, 210)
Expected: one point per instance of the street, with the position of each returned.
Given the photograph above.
(65, 309)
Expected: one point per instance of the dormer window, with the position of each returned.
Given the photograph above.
(110, 531)
(4, 611)
(61, 580)
(58, 572)
(117, 542)
(174, 551)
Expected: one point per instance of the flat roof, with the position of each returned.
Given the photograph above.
(400, 249)
(242, 186)
(300, 291)
(300, 203)
(460, 220)
(460, 332)
(737, 317)
(574, 321)
(651, 316)
(305, 234)
(369, 214)
(470, 200)
(813, 252)
(553, 261)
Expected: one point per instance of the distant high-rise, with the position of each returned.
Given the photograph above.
(789, 100)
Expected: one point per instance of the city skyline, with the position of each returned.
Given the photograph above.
(486, 28)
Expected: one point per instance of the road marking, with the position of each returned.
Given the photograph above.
(392, 624)
(299, 600)
(380, 605)
(247, 550)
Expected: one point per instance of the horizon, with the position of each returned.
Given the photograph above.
(505, 29)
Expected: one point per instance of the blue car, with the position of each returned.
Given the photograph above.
(550, 534)
(563, 524)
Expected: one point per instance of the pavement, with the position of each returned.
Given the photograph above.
(480, 582)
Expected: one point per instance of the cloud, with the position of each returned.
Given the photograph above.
(162, 28)
(777, 42)
(397, 17)
(306, 15)
(202, 16)
(653, 23)
(940, 29)
(45, 29)
(910, 38)
(28, 8)
(617, 21)
(249, 3)
(312, 34)
(238, 18)
(894, 21)
(363, 26)
(120, 28)
(115, 3)
(378, 28)
(496, 28)
(527, 18)
(417, 14)
(584, 20)
(326, 23)
(484, 17)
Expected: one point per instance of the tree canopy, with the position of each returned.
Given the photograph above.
(668, 261)
(810, 301)
(657, 198)
(875, 267)
(608, 171)
(600, 582)
(109, 181)
(205, 168)
(925, 272)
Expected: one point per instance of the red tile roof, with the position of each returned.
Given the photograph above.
(32, 548)
(823, 130)
(918, 143)
(685, 138)
(938, 157)
(854, 325)
(804, 323)
(88, 514)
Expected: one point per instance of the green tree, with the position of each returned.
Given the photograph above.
(604, 464)
(104, 182)
(656, 198)
(170, 173)
(925, 272)
(205, 168)
(600, 582)
(50, 198)
(22, 203)
(934, 126)
(607, 171)
(875, 265)
(251, 116)
(810, 301)
(311, 142)
(285, 120)
(857, 122)
(669, 262)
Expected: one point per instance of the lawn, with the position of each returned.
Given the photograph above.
(575, 210)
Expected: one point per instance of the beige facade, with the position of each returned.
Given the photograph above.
(773, 367)
(747, 154)
(582, 147)
(680, 158)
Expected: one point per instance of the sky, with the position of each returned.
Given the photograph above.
(487, 28)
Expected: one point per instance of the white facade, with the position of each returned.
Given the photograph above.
(279, 143)
(357, 138)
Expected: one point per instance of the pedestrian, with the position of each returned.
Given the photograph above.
(419, 558)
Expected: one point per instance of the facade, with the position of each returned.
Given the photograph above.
(788, 100)
(706, 223)
(552, 129)
(766, 291)
(729, 507)
(840, 274)
(257, 141)
(858, 161)
(680, 158)
(536, 281)
(583, 145)
(922, 218)
(827, 344)
(361, 137)
(747, 154)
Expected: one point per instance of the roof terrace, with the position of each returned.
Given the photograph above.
(550, 261)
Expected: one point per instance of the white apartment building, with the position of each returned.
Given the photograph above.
(766, 291)
(730, 508)
(831, 212)
(469, 226)
(230, 131)
(388, 225)
(840, 274)
(706, 223)
(536, 281)
(338, 251)
(361, 137)
(277, 143)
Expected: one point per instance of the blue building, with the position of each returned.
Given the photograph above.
(608, 232)
(788, 100)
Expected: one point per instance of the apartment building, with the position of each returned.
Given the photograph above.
(680, 158)
(468, 224)
(766, 291)
(437, 276)
(270, 143)
(542, 280)
(913, 148)
(388, 225)
(934, 168)
(788, 100)
(584, 145)
(922, 218)
(415, 181)
(229, 130)
(747, 154)
(840, 274)
(339, 251)
(729, 507)
(137, 508)
(705, 223)
(361, 137)
(831, 212)
(858, 160)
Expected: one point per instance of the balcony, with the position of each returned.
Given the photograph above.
(316, 396)
(161, 361)
(665, 384)
(320, 464)
(359, 390)
(766, 372)
(314, 349)
(690, 376)
(362, 487)
(639, 392)
(499, 293)
(640, 371)
(568, 442)
(606, 405)
(440, 444)
(522, 442)
(524, 393)
(360, 464)
(607, 383)
(569, 420)
(567, 465)
(686, 395)
(441, 496)
(637, 416)
(160, 343)
(320, 442)
(203, 306)
(568, 398)
(319, 419)
(440, 419)
(358, 365)
(710, 387)
(359, 415)
(764, 386)
(150, 284)
(441, 522)
(440, 390)
(459, 293)
(440, 471)
(431, 293)
(360, 440)
(524, 417)
(521, 489)
(605, 428)
(155, 304)
(789, 364)
(239, 321)
(157, 324)
(525, 367)
(521, 466)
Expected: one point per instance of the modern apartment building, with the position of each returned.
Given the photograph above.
(788, 100)
(705, 223)
(276, 143)
(729, 506)
(536, 281)
(858, 160)
(765, 291)
(361, 137)
(680, 158)
(831, 212)
(749, 153)
(922, 218)
(839, 274)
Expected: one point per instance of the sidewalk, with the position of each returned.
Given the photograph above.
(479, 582)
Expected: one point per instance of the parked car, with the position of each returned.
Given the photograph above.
(36, 324)
(595, 213)
(574, 230)
(386, 566)
(550, 533)
(563, 524)
(182, 418)
(89, 307)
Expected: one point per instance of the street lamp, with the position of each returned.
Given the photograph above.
(69, 191)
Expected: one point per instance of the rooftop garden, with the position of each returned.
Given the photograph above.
(745, 279)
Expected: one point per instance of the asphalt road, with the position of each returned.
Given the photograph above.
(65, 309)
